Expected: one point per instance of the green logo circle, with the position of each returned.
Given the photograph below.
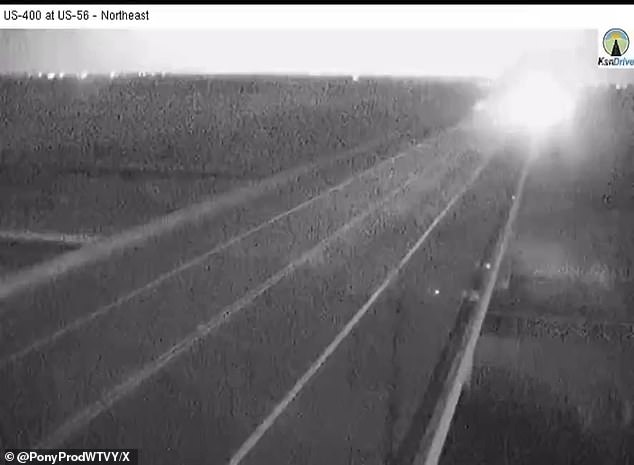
(616, 42)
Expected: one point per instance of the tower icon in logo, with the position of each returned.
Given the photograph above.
(616, 42)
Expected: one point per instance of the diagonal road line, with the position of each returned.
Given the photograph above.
(56, 267)
(279, 409)
(104, 310)
(128, 386)
(48, 236)
(460, 365)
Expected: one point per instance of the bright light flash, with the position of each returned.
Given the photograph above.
(537, 103)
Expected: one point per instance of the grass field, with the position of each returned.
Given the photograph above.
(100, 154)
(241, 126)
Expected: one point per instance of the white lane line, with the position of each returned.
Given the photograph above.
(87, 414)
(261, 430)
(434, 438)
(43, 272)
(47, 236)
(104, 310)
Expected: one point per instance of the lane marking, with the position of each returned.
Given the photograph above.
(38, 344)
(128, 386)
(48, 236)
(268, 422)
(62, 264)
(433, 441)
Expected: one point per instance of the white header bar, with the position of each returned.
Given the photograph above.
(301, 17)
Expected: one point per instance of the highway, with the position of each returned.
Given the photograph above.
(295, 320)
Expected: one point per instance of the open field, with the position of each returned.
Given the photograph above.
(97, 155)
(240, 127)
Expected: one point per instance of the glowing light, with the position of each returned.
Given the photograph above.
(83, 75)
(487, 266)
(436, 291)
(535, 104)
(50, 76)
(61, 75)
(113, 74)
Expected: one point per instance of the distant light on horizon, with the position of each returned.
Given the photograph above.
(113, 74)
(50, 75)
(83, 75)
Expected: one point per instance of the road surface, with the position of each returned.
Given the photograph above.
(299, 323)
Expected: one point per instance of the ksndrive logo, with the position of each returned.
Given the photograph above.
(614, 44)
(620, 61)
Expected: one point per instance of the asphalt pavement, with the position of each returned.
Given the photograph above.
(297, 325)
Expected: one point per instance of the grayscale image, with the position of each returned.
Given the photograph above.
(318, 247)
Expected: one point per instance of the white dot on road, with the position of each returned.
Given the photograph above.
(487, 266)
(436, 291)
